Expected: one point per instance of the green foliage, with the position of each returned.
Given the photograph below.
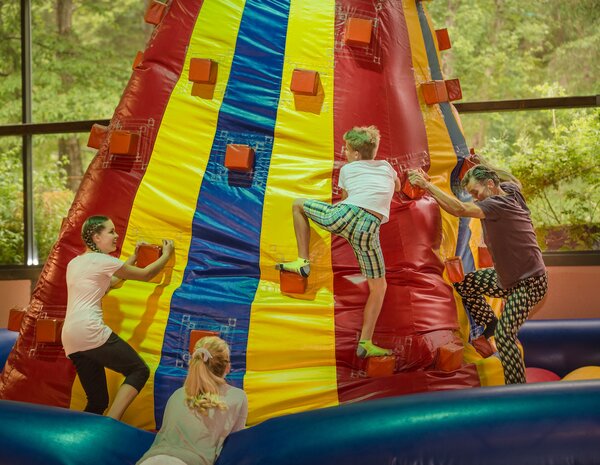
(10, 63)
(504, 49)
(560, 172)
(49, 207)
(11, 208)
(80, 67)
(81, 64)
(501, 49)
(51, 197)
(81, 71)
(507, 50)
(566, 164)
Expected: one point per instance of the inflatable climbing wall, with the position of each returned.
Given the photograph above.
(234, 109)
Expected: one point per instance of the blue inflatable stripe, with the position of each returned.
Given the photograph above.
(223, 273)
(458, 142)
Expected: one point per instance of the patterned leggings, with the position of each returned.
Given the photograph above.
(520, 299)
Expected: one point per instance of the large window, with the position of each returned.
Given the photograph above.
(10, 63)
(556, 156)
(510, 49)
(59, 162)
(82, 51)
(82, 54)
(514, 50)
(11, 206)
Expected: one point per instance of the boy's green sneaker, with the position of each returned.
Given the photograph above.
(300, 266)
(367, 349)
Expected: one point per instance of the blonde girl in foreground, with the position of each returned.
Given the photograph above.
(200, 415)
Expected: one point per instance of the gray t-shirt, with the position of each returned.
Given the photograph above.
(195, 438)
(510, 237)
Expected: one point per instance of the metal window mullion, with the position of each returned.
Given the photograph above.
(30, 253)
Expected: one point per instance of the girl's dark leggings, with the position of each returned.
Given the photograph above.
(116, 355)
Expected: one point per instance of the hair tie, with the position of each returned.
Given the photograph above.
(206, 355)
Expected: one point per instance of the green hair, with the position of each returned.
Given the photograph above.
(364, 140)
(91, 226)
(480, 173)
(503, 175)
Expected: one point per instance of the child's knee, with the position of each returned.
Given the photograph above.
(298, 205)
(138, 377)
(143, 375)
(378, 285)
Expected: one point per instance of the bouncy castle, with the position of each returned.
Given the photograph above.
(234, 109)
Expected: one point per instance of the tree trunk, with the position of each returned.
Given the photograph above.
(68, 147)
(448, 59)
(64, 16)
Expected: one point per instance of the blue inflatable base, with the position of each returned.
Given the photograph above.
(7, 341)
(561, 346)
(543, 423)
(35, 434)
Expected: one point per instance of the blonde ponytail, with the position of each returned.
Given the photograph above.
(206, 375)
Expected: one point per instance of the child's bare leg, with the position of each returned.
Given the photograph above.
(377, 288)
(123, 399)
(302, 229)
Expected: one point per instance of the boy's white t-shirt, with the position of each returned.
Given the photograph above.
(370, 184)
(88, 279)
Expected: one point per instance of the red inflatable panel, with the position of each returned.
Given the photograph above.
(51, 368)
(419, 313)
(155, 12)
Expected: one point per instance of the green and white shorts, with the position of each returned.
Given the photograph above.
(359, 227)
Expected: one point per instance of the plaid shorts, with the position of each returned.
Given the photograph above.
(359, 227)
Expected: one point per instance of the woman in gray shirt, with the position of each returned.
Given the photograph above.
(200, 415)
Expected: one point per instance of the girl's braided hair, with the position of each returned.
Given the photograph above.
(91, 226)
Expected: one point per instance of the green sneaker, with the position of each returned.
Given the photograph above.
(300, 266)
(367, 349)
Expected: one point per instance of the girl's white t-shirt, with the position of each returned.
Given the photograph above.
(370, 184)
(88, 279)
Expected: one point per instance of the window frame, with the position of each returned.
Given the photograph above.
(27, 129)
